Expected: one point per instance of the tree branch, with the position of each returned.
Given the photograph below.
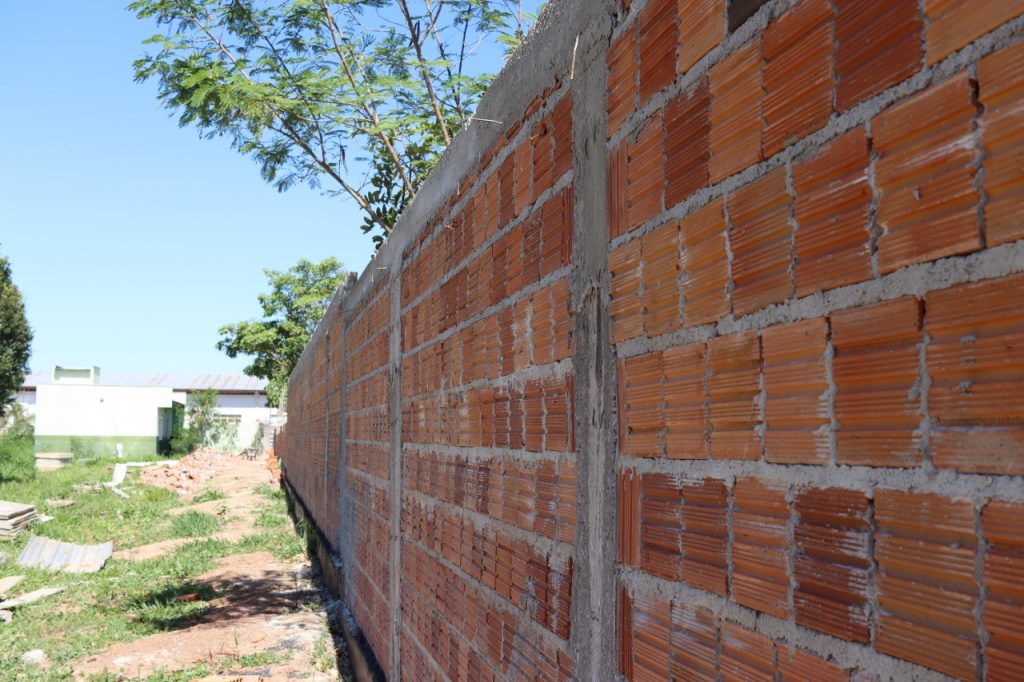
(424, 71)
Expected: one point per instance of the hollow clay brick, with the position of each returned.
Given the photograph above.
(760, 239)
(736, 102)
(925, 173)
(875, 370)
(831, 211)
(796, 393)
(1001, 91)
(878, 44)
(704, 265)
(797, 74)
(976, 396)
(954, 23)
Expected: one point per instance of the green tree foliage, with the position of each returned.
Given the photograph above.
(297, 299)
(198, 426)
(360, 95)
(15, 338)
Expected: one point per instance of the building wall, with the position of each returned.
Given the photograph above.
(100, 416)
(703, 363)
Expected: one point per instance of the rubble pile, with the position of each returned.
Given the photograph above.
(190, 472)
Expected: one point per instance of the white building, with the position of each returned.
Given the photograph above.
(80, 408)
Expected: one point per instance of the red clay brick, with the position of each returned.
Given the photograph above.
(736, 101)
(625, 633)
(954, 23)
(645, 171)
(875, 371)
(735, 413)
(618, 188)
(658, 36)
(642, 404)
(705, 265)
(796, 393)
(661, 280)
(543, 157)
(976, 397)
(687, 130)
(878, 44)
(685, 392)
(925, 173)
(694, 644)
(760, 239)
(746, 655)
(760, 526)
(1004, 598)
(622, 87)
(1001, 88)
(925, 549)
(796, 665)
(652, 625)
(506, 179)
(832, 539)
(705, 512)
(701, 26)
(797, 74)
(629, 517)
(661, 526)
(832, 202)
(562, 122)
(625, 306)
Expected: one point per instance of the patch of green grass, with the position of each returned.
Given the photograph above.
(269, 491)
(208, 496)
(194, 524)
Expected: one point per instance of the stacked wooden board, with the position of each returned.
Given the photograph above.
(14, 518)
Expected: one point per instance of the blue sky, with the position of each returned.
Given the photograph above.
(131, 239)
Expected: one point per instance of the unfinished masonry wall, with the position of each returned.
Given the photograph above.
(699, 356)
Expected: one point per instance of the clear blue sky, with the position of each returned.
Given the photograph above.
(131, 239)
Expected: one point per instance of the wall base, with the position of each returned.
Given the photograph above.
(365, 667)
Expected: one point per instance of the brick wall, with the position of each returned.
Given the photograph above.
(699, 356)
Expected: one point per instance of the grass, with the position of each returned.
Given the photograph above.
(127, 599)
(208, 496)
(194, 524)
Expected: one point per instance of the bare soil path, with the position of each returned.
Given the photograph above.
(266, 620)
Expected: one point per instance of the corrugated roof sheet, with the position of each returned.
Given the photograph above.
(176, 381)
(54, 555)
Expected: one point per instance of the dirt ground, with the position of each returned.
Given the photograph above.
(266, 609)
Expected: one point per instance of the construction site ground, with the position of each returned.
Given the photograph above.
(218, 589)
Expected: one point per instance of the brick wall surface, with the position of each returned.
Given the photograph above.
(700, 356)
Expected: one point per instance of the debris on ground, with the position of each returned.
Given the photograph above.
(8, 584)
(14, 518)
(4, 556)
(54, 555)
(29, 598)
(35, 657)
(6, 616)
(188, 597)
(57, 503)
(190, 472)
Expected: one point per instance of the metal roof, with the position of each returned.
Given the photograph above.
(176, 381)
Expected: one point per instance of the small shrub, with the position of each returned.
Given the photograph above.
(17, 458)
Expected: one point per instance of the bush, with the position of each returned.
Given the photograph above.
(17, 446)
(17, 458)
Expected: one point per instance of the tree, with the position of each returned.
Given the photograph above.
(363, 95)
(298, 298)
(15, 338)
